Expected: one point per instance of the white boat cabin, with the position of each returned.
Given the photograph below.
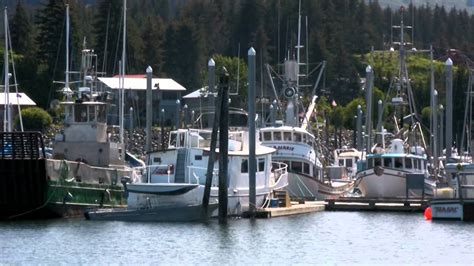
(295, 147)
(186, 160)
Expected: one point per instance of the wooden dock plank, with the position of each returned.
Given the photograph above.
(294, 209)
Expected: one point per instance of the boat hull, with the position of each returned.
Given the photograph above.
(74, 187)
(190, 213)
(390, 184)
(448, 209)
(158, 195)
(307, 188)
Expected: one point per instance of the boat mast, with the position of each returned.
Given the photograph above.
(298, 47)
(7, 127)
(122, 77)
(66, 85)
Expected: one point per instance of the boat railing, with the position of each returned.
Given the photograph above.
(200, 172)
(199, 138)
(280, 174)
(147, 171)
(21, 146)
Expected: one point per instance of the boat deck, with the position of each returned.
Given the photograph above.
(376, 204)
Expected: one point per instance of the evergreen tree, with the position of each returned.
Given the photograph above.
(153, 39)
(135, 48)
(108, 35)
(183, 59)
(50, 23)
(21, 30)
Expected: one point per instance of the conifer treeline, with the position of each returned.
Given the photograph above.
(177, 37)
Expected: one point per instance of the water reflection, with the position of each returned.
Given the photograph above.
(326, 237)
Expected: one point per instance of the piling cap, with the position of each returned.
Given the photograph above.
(149, 70)
(211, 63)
(252, 51)
(368, 69)
(449, 62)
(435, 93)
(380, 101)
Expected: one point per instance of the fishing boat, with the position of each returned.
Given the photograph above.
(296, 145)
(181, 170)
(306, 180)
(87, 166)
(387, 173)
(175, 177)
(399, 171)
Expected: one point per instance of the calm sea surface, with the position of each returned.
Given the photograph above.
(319, 238)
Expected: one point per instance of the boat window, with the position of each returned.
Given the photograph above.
(157, 159)
(276, 135)
(80, 113)
(309, 140)
(370, 163)
(267, 136)
(173, 139)
(261, 164)
(297, 167)
(198, 157)
(348, 162)
(244, 168)
(91, 113)
(304, 138)
(387, 162)
(424, 164)
(306, 168)
(287, 136)
(297, 137)
(181, 140)
(101, 113)
(408, 163)
(417, 164)
(68, 112)
(341, 162)
(398, 162)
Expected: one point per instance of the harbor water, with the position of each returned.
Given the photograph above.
(319, 238)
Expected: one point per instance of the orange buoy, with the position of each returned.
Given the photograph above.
(428, 214)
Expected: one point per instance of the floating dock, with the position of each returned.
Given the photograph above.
(376, 204)
(293, 209)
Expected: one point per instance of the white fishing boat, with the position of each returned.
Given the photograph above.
(296, 145)
(401, 170)
(176, 177)
(296, 148)
(181, 170)
(387, 173)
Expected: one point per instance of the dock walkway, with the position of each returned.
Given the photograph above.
(294, 209)
(376, 204)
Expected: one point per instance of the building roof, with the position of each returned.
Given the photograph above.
(138, 82)
(17, 99)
